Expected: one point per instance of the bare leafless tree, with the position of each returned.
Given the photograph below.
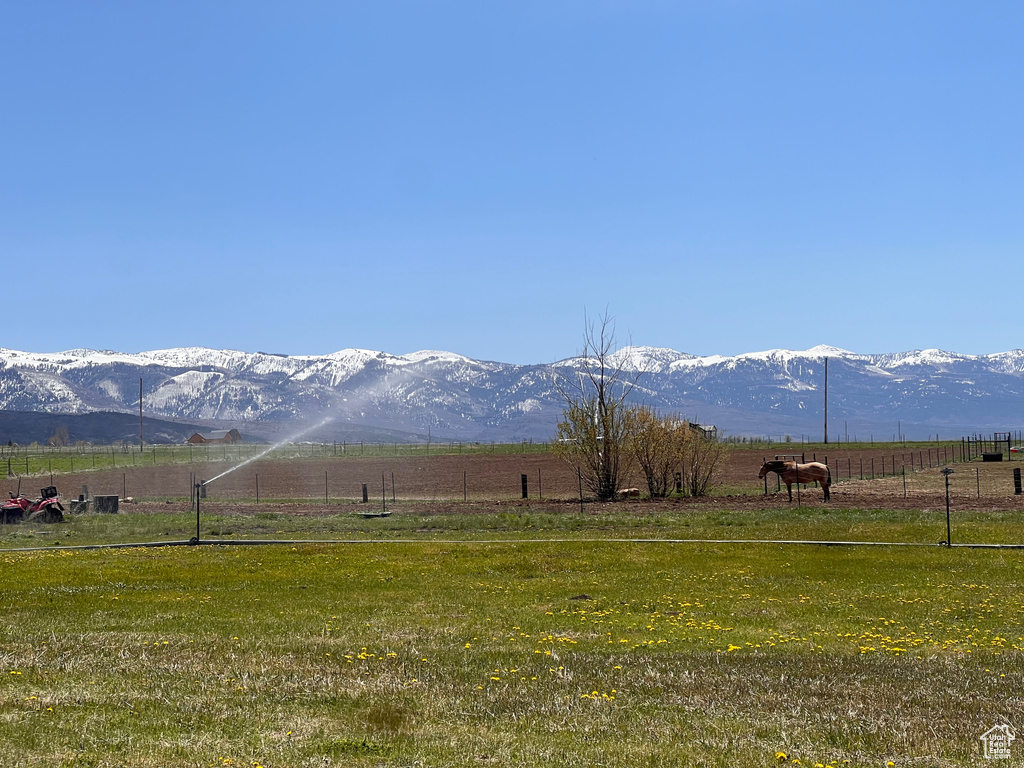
(60, 437)
(594, 432)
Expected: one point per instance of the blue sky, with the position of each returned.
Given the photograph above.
(302, 177)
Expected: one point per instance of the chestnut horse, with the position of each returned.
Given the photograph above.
(791, 472)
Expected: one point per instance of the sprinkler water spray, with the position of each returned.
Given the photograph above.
(201, 484)
(274, 447)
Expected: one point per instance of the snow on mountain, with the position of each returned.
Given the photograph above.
(933, 358)
(435, 356)
(51, 391)
(1008, 362)
(646, 359)
(824, 350)
(634, 359)
(773, 391)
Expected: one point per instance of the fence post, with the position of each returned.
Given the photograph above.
(525, 494)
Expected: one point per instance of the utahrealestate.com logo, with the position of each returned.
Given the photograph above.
(996, 742)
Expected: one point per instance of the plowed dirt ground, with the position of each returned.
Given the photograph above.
(317, 486)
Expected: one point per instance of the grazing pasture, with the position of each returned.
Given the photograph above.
(507, 632)
(507, 654)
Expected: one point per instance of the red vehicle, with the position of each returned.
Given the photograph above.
(47, 507)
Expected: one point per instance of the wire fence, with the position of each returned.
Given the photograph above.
(880, 463)
(865, 465)
(992, 447)
(314, 474)
(42, 460)
(319, 478)
(347, 481)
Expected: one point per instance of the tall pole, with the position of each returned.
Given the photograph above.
(199, 487)
(949, 536)
(140, 415)
(826, 401)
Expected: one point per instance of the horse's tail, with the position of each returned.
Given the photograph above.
(829, 470)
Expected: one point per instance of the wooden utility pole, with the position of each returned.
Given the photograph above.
(826, 401)
(141, 445)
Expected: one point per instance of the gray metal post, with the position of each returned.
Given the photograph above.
(199, 487)
(949, 538)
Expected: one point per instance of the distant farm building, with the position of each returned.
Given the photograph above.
(219, 436)
(707, 431)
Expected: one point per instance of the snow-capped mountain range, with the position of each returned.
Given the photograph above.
(771, 393)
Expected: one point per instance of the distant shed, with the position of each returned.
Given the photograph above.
(217, 436)
(707, 431)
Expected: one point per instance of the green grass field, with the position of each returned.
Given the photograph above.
(515, 653)
(515, 521)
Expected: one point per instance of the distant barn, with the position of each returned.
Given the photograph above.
(218, 436)
(707, 431)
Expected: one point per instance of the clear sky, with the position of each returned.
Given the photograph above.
(303, 177)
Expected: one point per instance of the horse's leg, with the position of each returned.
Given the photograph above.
(824, 486)
(789, 487)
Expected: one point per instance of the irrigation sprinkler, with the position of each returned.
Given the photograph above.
(946, 472)
(200, 488)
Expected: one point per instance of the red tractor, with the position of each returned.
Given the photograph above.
(46, 509)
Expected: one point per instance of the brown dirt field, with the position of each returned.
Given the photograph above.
(496, 480)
